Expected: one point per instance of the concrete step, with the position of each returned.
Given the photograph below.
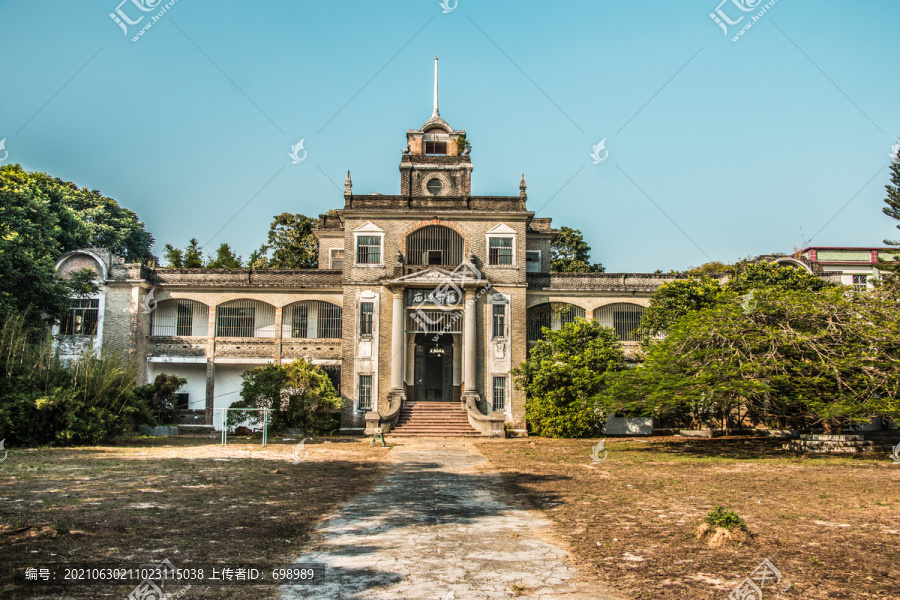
(433, 419)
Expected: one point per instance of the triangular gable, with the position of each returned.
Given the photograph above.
(501, 228)
(368, 227)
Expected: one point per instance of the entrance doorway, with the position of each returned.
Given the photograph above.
(433, 368)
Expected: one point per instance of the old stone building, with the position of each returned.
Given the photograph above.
(422, 304)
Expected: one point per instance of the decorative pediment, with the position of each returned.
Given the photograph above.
(465, 273)
(501, 228)
(368, 227)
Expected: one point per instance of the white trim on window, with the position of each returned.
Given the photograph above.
(331, 258)
(356, 236)
(500, 230)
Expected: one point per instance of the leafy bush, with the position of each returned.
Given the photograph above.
(43, 401)
(300, 395)
(563, 373)
(160, 398)
(726, 519)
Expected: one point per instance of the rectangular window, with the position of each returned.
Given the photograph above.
(500, 251)
(365, 318)
(182, 400)
(436, 148)
(235, 321)
(499, 393)
(532, 261)
(337, 259)
(81, 318)
(365, 392)
(499, 320)
(368, 250)
(860, 282)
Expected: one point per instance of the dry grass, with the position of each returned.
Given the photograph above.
(186, 499)
(831, 525)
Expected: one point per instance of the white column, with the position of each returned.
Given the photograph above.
(398, 339)
(469, 344)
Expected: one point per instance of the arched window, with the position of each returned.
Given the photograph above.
(623, 317)
(550, 314)
(187, 318)
(311, 319)
(434, 245)
(245, 318)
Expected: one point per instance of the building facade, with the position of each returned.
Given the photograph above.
(429, 295)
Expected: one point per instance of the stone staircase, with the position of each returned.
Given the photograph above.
(433, 419)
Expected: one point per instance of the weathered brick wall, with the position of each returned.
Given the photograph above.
(543, 244)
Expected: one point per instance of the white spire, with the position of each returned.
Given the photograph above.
(435, 113)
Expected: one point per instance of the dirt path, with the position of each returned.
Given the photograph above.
(437, 528)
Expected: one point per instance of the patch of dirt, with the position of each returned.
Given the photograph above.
(825, 522)
(717, 537)
(186, 499)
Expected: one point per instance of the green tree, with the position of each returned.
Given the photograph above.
(86, 218)
(225, 259)
(569, 253)
(711, 268)
(563, 373)
(292, 242)
(193, 256)
(676, 299)
(174, 256)
(770, 275)
(29, 246)
(798, 359)
(300, 394)
(893, 211)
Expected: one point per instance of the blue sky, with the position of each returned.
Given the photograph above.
(717, 149)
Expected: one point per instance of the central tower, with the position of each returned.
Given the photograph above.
(436, 158)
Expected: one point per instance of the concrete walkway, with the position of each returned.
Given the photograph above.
(437, 529)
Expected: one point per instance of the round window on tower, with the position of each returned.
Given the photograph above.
(435, 186)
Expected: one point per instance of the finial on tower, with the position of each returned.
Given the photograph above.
(522, 187)
(348, 184)
(435, 113)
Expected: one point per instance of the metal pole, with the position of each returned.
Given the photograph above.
(265, 426)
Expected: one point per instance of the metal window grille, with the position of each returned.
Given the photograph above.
(434, 321)
(337, 259)
(434, 245)
(500, 251)
(311, 319)
(368, 250)
(499, 393)
(365, 392)
(532, 261)
(499, 320)
(552, 315)
(366, 320)
(245, 318)
(623, 317)
(186, 318)
(81, 318)
(860, 282)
